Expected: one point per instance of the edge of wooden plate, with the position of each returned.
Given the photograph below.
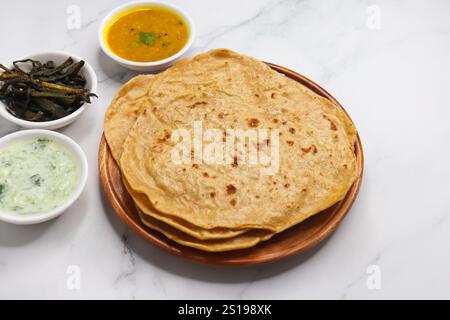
(285, 244)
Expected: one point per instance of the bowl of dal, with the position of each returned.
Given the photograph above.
(146, 35)
(42, 173)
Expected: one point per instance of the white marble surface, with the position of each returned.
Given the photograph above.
(394, 82)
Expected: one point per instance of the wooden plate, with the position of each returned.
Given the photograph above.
(295, 240)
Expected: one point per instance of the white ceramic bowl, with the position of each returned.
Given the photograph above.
(58, 57)
(146, 66)
(82, 162)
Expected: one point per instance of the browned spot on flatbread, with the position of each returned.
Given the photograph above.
(231, 189)
(253, 123)
(312, 148)
(196, 104)
(332, 124)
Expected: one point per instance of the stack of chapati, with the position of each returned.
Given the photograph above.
(228, 206)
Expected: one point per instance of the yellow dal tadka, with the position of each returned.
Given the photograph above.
(146, 34)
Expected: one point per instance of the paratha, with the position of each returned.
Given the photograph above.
(247, 240)
(191, 230)
(129, 102)
(226, 90)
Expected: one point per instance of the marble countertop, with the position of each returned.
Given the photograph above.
(387, 62)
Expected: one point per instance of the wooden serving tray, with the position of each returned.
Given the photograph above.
(292, 241)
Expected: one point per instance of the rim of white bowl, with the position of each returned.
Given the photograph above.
(84, 170)
(67, 119)
(127, 5)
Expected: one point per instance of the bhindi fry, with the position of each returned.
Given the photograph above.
(46, 92)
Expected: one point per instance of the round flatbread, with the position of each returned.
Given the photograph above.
(194, 231)
(226, 90)
(128, 104)
(246, 240)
